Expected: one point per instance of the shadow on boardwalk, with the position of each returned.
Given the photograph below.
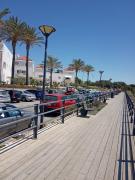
(126, 167)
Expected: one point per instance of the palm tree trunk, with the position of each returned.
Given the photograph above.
(76, 81)
(27, 64)
(100, 77)
(13, 62)
(87, 78)
(51, 71)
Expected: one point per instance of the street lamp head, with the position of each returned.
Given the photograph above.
(47, 30)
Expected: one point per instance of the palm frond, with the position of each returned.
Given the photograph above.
(4, 12)
(30, 36)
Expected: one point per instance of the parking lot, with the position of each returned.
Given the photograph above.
(27, 104)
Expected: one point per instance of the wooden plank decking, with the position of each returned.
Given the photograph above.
(81, 149)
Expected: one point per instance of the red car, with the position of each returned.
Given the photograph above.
(57, 98)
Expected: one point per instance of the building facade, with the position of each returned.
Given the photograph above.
(63, 77)
(5, 63)
(60, 76)
(20, 67)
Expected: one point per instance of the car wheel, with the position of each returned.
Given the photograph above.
(24, 99)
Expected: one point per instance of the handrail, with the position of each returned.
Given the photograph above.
(39, 115)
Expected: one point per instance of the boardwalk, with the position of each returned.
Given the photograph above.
(94, 148)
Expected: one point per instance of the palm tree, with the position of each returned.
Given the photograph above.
(30, 38)
(101, 73)
(3, 13)
(52, 64)
(88, 69)
(13, 33)
(76, 65)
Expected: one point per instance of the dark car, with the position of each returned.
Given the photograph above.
(11, 116)
(38, 93)
(15, 95)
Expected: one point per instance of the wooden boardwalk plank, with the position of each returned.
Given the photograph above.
(80, 149)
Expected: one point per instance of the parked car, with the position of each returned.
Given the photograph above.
(4, 96)
(15, 95)
(38, 93)
(27, 96)
(57, 98)
(10, 116)
(52, 91)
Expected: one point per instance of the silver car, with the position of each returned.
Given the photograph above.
(27, 96)
(8, 114)
(4, 96)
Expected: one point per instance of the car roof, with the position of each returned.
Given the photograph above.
(56, 94)
(2, 105)
(2, 90)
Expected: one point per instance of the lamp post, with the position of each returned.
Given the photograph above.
(101, 73)
(110, 83)
(46, 31)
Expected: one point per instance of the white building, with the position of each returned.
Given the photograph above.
(20, 67)
(65, 76)
(5, 64)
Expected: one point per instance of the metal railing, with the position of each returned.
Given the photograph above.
(131, 110)
(38, 117)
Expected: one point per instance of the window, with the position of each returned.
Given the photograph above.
(12, 113)
(18, 71)
(4, 65)
(51, 98)
(2, 114)
(24, 72)
(3, 93)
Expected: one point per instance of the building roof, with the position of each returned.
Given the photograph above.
(23, 58)
(40, 66)
(69, 69)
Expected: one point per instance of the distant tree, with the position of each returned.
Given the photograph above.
(52, 64)
(88, 69)
(30, 38)
(77, 65)
(56, 84)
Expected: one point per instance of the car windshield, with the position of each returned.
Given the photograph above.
(17, 92)
(67, 97)
(3, 93)
(27, 92)
(51, 98)
(2, 114)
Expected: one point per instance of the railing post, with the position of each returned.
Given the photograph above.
(63, 111)
(42, 116)
(77, 107)
(131, 114)
(134, 125)
(35, 130)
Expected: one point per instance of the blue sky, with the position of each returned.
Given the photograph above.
(100, 32)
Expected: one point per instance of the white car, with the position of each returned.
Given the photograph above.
(4, 96)
(27, 96)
